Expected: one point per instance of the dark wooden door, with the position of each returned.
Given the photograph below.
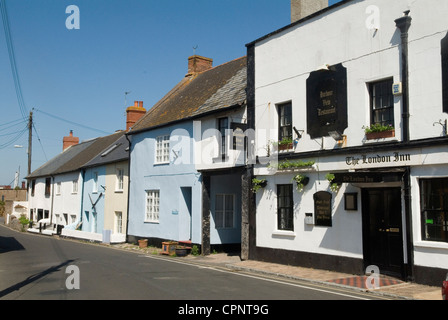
(383, 234)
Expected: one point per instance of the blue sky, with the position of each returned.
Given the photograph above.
(81, 75)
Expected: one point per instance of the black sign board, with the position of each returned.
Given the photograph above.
(322, 209)
(327, 101)
(445, 73)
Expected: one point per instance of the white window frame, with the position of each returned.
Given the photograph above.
(120, 180)
(75, 186)
(224, 212)
(162, 154)
(95, 182)
(58, 188)
(118, 222)
(152, 208)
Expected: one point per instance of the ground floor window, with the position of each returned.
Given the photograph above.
(285, 211)
(152, 205)
(118, 222)
(224, 210)
(434, 206)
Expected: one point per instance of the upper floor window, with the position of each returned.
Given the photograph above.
(444, 46)
(75, 186)
(223, 125)
(119, 184)
(284, 121)
(382, 103)
(33, 187)
(163, 149)
(47, 186)
(95, 182)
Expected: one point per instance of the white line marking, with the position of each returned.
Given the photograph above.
(259, 278)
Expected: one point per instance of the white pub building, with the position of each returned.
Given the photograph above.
(356, 174)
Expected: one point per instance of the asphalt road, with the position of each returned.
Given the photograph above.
(36, 267)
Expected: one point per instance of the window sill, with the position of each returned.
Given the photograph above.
(119, 191)
(431, 244)
(283, 234)
(151, 222)
(221, 159)
(161, 163)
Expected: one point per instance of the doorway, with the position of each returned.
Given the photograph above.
(382, 230)
(185, 231)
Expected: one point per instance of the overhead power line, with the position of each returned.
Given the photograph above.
(71, 122)
(12, 59)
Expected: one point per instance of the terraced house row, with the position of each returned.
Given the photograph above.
(325, 146)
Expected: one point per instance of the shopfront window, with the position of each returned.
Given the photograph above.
(434, 206)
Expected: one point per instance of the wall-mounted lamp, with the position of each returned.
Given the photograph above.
(336, 135)
(298, 132)
(340, 138)
(443, 124)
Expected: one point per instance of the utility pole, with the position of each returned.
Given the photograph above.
(30, 140)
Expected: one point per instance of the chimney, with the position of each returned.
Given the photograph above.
(303, 8)
(197, 64)
(133, 114)
(69, 141)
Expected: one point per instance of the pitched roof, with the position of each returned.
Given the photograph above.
(74, 157)
(219, 87)
(117, 151)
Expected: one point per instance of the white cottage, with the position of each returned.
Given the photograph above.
(350, 109)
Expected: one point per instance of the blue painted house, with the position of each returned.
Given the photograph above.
(167, 197)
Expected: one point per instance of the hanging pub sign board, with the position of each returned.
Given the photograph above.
(322, 208)
(327, 101)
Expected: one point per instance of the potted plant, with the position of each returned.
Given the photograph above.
(143, 243)
(257, 184)
(333, 185)
(181, 251)
(284, 144)
(301, 181)
(378, 131)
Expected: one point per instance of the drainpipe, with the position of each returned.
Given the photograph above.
(83, 172)
(404, 23)
(52, 200)
(129, 186)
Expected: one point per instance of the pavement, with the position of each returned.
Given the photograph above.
(387, 287)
